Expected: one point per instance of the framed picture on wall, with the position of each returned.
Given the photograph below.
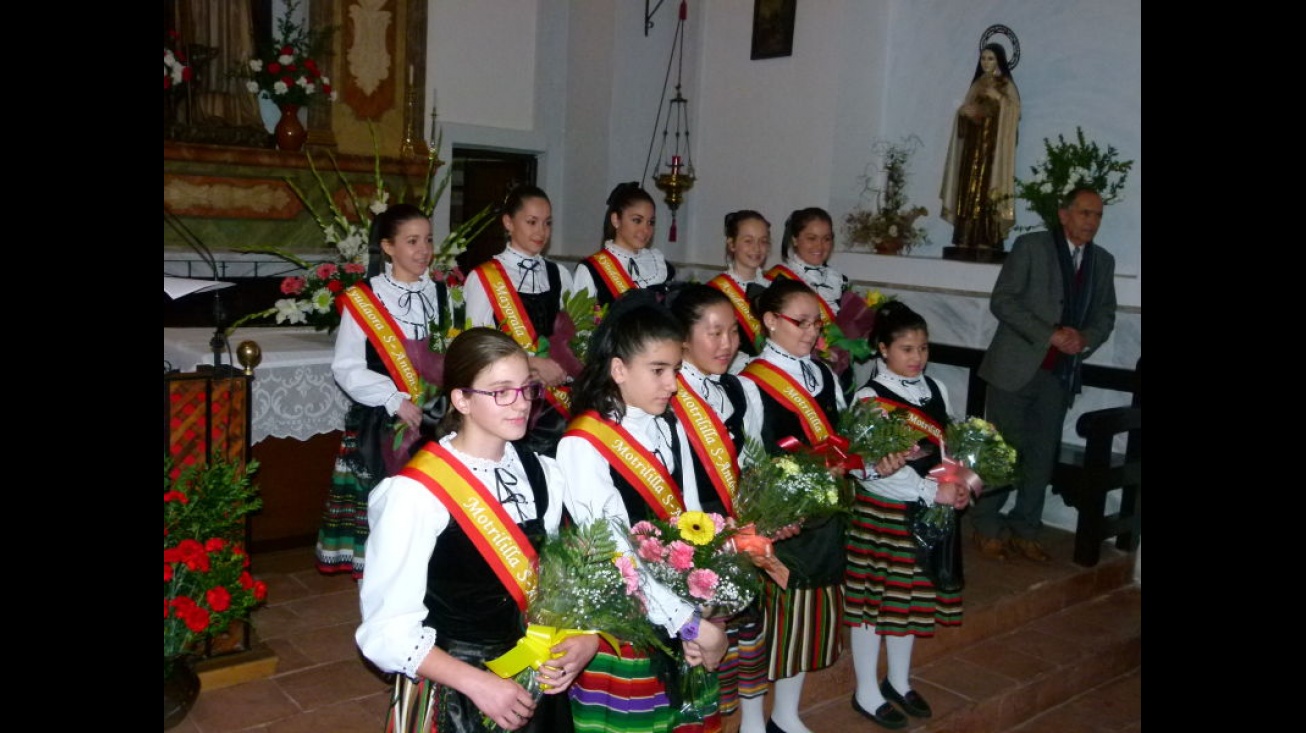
(773, 28)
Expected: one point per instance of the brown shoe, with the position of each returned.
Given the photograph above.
(991, 547)
(1030, 549)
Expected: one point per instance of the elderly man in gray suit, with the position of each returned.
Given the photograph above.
(1055, 301)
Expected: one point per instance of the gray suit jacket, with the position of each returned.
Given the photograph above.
(1027, 301)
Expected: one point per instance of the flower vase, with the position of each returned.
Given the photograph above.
(891, 246)
(181, 688)
(290, 132)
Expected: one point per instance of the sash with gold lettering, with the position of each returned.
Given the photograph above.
(710, 440)
(827, 313)
(635, 462)
(487, 524)
(787, 391)
(510, 313)
(385, 335)
(612, 273)
(743, 312)
(918, 421)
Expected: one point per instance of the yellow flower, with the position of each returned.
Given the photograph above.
(452, 333)
(696, 527)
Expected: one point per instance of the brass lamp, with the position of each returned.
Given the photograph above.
(679, 176)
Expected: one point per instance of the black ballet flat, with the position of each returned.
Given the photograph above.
(771, 727)
(912, 702)
(886, 715)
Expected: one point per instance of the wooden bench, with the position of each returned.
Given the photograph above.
(1085, 474)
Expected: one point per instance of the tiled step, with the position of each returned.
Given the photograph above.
(1034, 637)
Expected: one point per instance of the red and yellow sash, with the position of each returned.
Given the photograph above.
(385, 334)
(500, 541)
(743, 312)
(510, 314)
(639, 466)
(788, 392)
(710, 440)
(827, 313)
(919, 421)
(612, 273)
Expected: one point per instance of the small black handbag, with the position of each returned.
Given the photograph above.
(938, 549)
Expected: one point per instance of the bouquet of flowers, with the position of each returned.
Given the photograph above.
(892, 226)
(587, 314)
(874, 431)
(176, 71)
(286, 71)
(586, 585)
(976, 454)
(206, 581)
(777, 491)
(692, 555)
(1071, 165)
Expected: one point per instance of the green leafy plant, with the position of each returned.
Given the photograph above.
(874, 431)
(1067, 166)
(777, 491)
(206, 580)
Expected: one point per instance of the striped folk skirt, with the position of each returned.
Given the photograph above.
(621, 692)
(885, 588)
(801, 630)
(743, 668)
(342, 536)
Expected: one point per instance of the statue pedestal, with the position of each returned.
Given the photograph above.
(974, 254)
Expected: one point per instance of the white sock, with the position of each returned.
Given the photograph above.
(866, 663)
(899, 649)
(784, 712)
(752, 714)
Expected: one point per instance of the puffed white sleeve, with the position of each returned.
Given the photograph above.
(479, 310)
(688, 476)
(593, 496)
(559, 493)
(405, 519)
(349, 367)
(583, 280)
(565, 280)
(752, 409)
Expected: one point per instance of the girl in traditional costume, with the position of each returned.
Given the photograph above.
(628, 260)
(888, 596)
(799, 400)
(444, 590)
(748, 243)
(629, 459)
(382, 362)
(520, 292)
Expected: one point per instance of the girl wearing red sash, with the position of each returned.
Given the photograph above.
(628, 259)
(805, 250)
(623, 430)
(799, 397)
(711, 343)
(520, 292)
(888, 596)
(435, 605)
(399, 284)
(748, 244)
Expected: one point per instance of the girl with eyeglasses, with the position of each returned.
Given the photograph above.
(384, 327)
(798, 397)
(629, 459)
(434, 605)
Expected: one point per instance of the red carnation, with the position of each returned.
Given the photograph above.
(167, 572)
(273, 68)
(260, 590)
(196, 618)
(219, 598)
(287, 50)
(335, 286)
(213, 544)
(293, 285)
(311, 65)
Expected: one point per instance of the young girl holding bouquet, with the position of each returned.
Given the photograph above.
(799, 398)
(888, 595)
(628, 460)
(439, 598)
(384, 327)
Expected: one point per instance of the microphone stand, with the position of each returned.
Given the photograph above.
(219, 341)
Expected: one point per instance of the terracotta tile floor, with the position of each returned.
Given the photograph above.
(323, 684)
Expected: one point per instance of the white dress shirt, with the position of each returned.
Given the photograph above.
(828, 282)
(528, 275)
(904, 484)
(413, 306)
(646, 268)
